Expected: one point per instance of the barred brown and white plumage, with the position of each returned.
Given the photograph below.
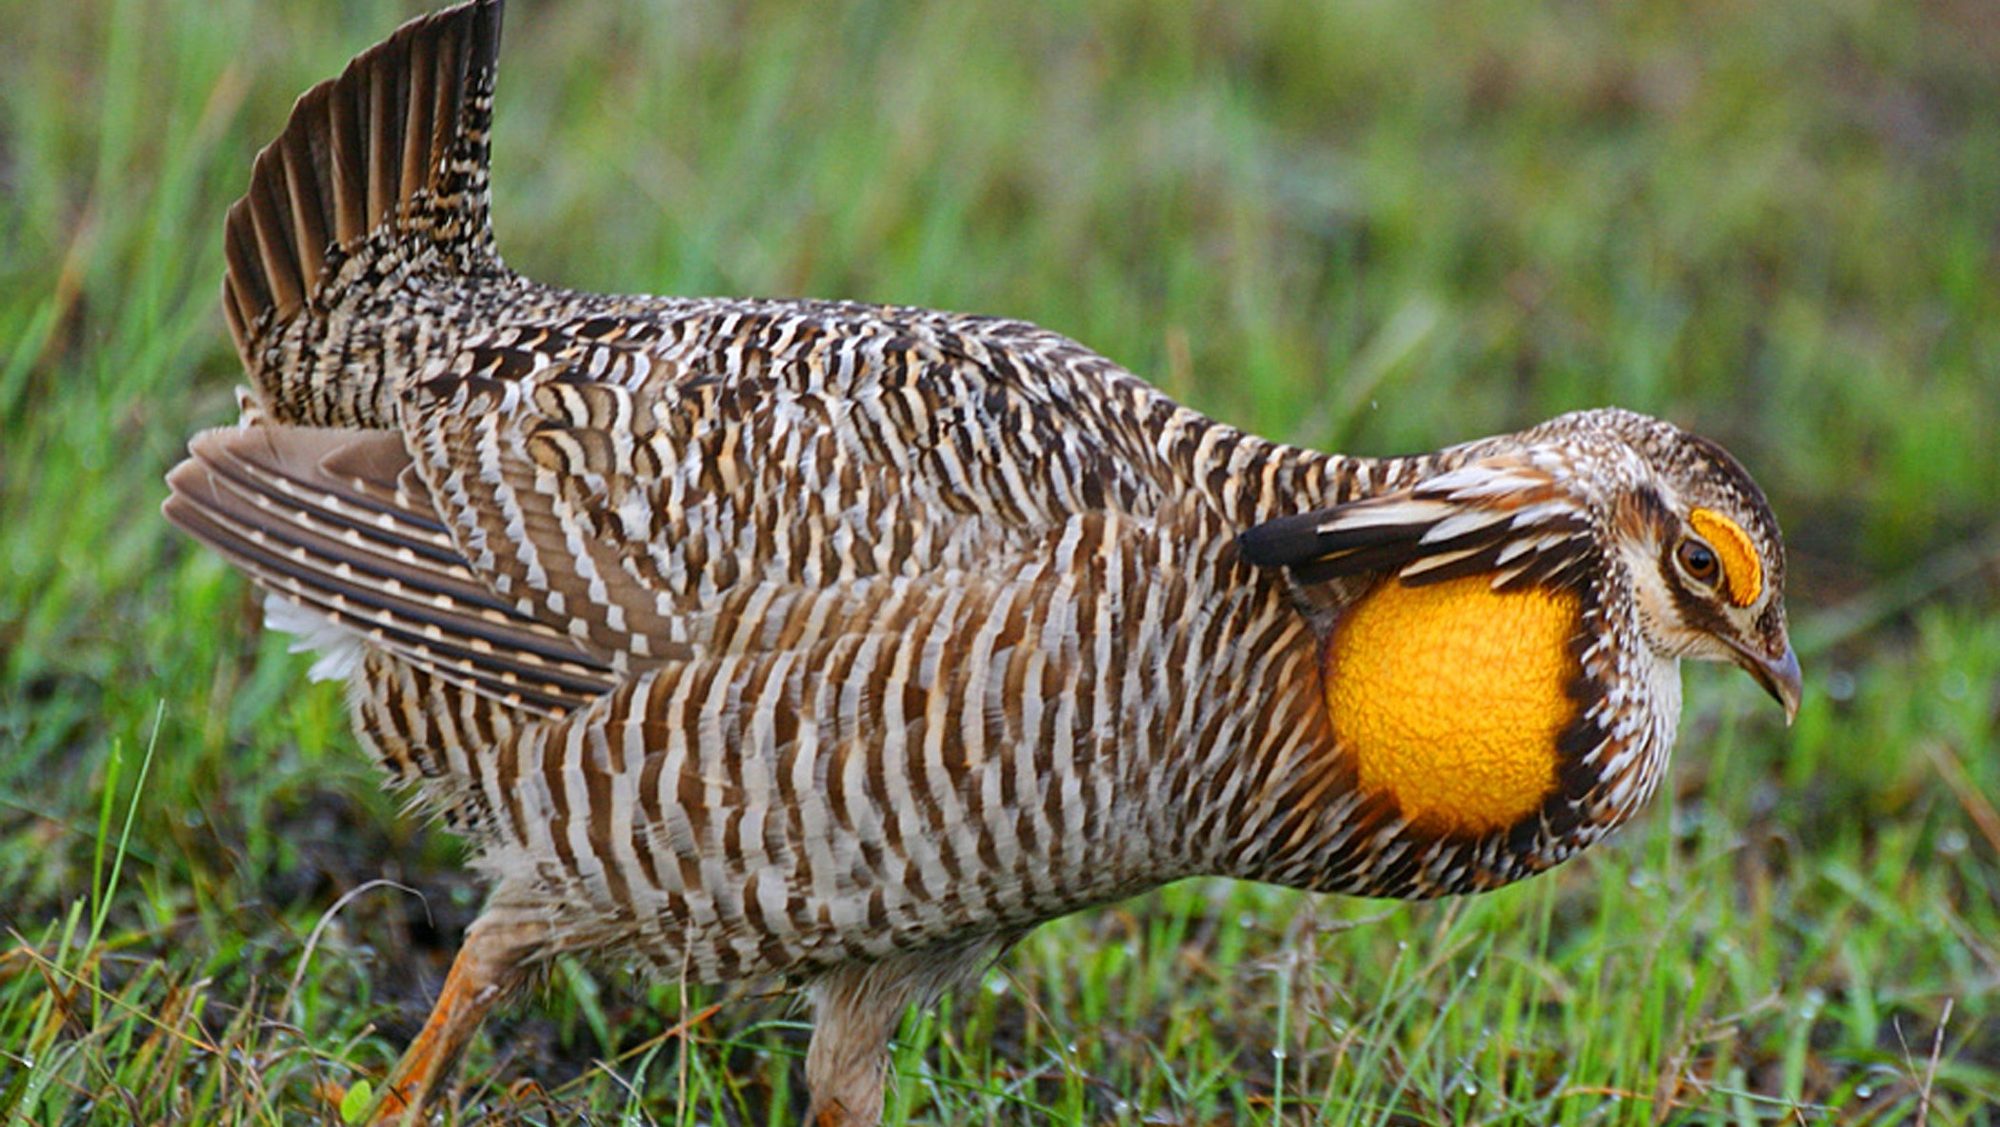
(850, 642)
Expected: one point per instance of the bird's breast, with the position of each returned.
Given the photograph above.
(1450, 698)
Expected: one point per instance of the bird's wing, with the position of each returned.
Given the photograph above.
(332, 523)
(713, 481)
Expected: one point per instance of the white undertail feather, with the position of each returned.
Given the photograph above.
(340, 649)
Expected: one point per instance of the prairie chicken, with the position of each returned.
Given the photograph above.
(848, 643)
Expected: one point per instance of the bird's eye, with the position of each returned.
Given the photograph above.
(1698, 560)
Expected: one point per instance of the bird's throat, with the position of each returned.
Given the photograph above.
(1450, 698)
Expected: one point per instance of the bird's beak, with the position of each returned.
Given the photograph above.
(1779, 676)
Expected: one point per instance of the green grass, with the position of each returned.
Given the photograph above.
(1377, 227)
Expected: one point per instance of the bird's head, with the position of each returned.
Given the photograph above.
(1705, 556)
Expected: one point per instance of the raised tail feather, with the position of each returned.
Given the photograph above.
(379, 179)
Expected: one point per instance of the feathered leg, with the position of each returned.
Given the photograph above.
(856, 1009)
(490, 965)
(855, 1012)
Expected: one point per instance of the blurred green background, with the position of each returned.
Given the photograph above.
(1373, 227)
